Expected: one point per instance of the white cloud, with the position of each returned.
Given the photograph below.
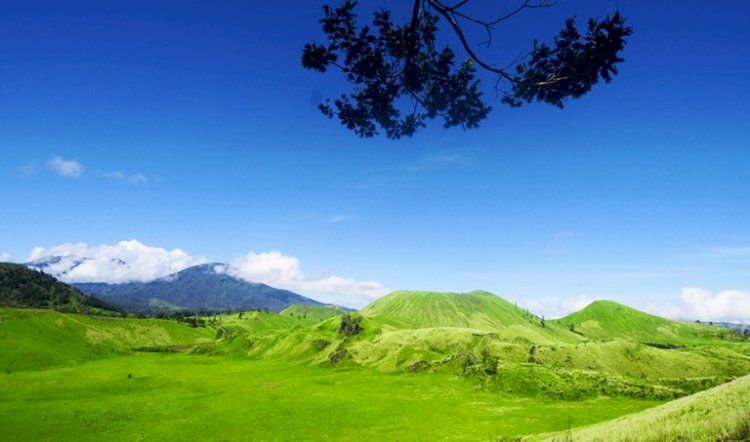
(698, 303)
(283, 271)
(131, 260)
(552, 308)
(130, 178)
(126, 261)
(66, 168)
(570, 305)
(4, 257)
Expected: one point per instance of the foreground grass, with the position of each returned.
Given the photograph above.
(189, 397)
(719, 414)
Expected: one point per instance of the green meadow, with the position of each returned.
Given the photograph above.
(183, 397)
(411, 366)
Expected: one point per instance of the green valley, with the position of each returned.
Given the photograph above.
(410, 366)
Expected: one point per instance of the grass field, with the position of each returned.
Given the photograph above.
(719, 414)
(189, 397)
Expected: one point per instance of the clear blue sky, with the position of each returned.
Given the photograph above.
(197, 129)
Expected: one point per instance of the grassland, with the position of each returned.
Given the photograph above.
(719, 414)
(33, 339)
(468, 367)
(189, 397)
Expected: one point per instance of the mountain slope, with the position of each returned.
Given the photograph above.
(21, 286)
(608, 320)
(202, 287)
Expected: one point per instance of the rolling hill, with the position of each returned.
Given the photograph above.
(479, 310)
(202, 287)
(608, 320)
(33, 339)
(479, 333)
(477, 340)
(312, 313)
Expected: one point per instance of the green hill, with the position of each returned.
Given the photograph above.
(478, 310)
(21, 286)
(480, 334)
(719, 414)
(607, 320)
(32, 339)
(312, 313)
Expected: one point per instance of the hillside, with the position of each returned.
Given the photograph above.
(312, 313)
(33, 339)
(202, 287)
(719, 414)
(24, 287)
(480, 334)
(478, 310)
(607, 320)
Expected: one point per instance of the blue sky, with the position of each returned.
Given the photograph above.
(195, 127)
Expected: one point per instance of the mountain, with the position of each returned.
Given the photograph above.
(21, 286)
(742, 328)
(201, 287)
(608, 320)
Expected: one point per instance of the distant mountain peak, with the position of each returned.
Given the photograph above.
(202, 287)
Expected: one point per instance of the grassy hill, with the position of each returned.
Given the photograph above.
(21, 286)
(719, 414)
(33, 339)
(481, 336)
(478, 310)
(312, 313)
(607, 320)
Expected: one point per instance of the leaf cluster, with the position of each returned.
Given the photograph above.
(401, 79)
(573, 66)
(390, 65)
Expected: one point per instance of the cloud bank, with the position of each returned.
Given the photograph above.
(131, 260)
(66, 168)
(283, 271)
(700, 304)
(125, 261)
(4, 257)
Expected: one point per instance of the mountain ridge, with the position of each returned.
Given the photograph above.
(201, 287)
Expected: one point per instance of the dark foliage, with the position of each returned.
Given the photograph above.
(21, 286)
(338, 355)
(573, 66)
(402, 79)
(419, 366)
(350, 325)
(663, 346)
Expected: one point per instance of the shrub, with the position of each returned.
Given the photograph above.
(350, 325)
